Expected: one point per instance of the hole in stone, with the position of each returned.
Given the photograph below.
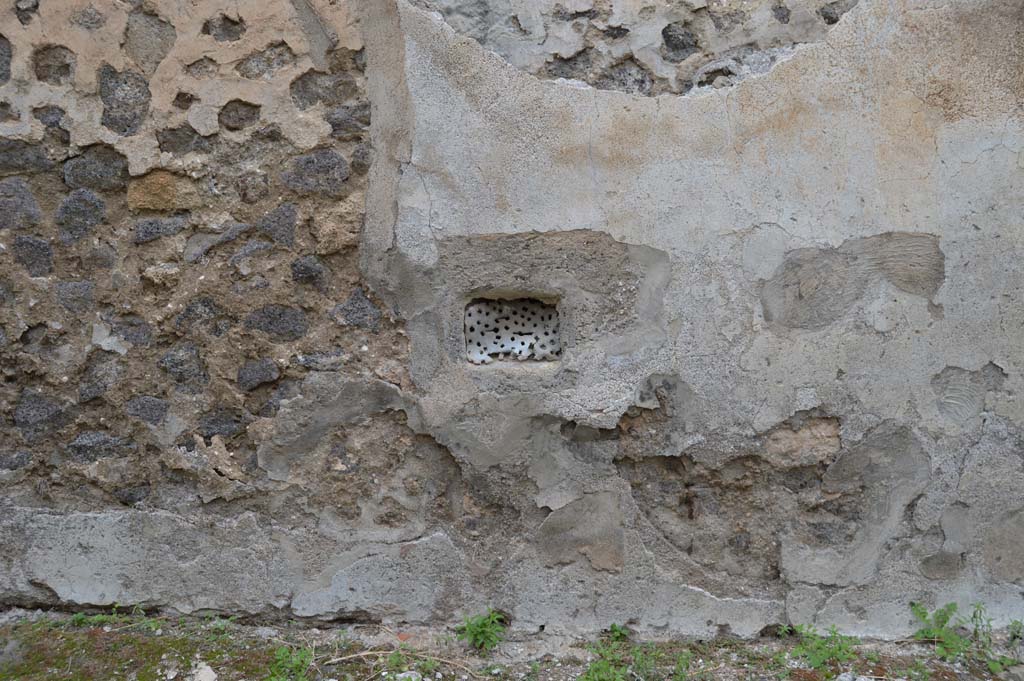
(513, 329)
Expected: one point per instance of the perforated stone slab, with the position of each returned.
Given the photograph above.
(521, 329)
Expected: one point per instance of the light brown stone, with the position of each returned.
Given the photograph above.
(162, 190)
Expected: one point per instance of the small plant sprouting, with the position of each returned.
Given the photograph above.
(290, 664)
(1016, 632)
(483, 632)
(967, 638)
(618, 632)
(824, 651)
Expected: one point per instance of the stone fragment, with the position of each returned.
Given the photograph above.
(50, 116)
(131, 495)
(18, 156)
(93, 445)
(132, 329)
(184, 100)
(238, 114)
(224, 29)
(202, 68)
(78, 213)
(34, 254)
(160, 190)
(268, 61)
(322, 171)
(358, 311)
(13, 460)
(198, 245)
(680, 42)
(185, 366)
(162, 274)
(25, 10)
(102, 373)
(280, 322)
(125, 95)
(147, 408)
(310, 270)
(184, 139)
(88, 18)
(5, 59)
(98, 167)
(279, 224)
(18, 206)
(348, 122)
(242, 259)
(38, 415)
(256, 372)
(330, 89)
(75, 296)
(148, 39)
(54, 64)
(151, 229)
(224, 421)
(204, 314)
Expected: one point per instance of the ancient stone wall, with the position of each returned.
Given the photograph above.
(698, 315)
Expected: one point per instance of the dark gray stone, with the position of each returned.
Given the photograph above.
(781, 13)
(75, 296)
(330, 89)
(268, 61)
(5, 59)
(148, 39)
(8, 113)
(12, 461)
(680, 42)
(93, 445)
(224, 29)
(36, 415)
(224, 421)
(279, 322)
(183, 101)
(361, 158)
(50, 116)
(147, 408)
(279, 224)
(25, 10)
(322, 171)
(132, 329)
(17, 157)
(203, 314)
(54, 64)
(125, 95)
(98, 167)
(18, 206)
(310, 270)
(78, 213)
(103, 372)
(151, 229)
(185, 366)
(256, 372)
(348, 122)
(358, 311)
(132, 495)
(34, 254)
(184, 139)
(198, 245)
(331, 360)
(238, 114)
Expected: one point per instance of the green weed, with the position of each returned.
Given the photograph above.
(290, 664)
(483, 632)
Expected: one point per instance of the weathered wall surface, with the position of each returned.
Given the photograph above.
(233, 308)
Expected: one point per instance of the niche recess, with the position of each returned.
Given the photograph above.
(519, 329)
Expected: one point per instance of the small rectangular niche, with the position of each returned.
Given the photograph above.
(522, 329)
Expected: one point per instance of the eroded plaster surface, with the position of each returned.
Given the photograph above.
(239, 243)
